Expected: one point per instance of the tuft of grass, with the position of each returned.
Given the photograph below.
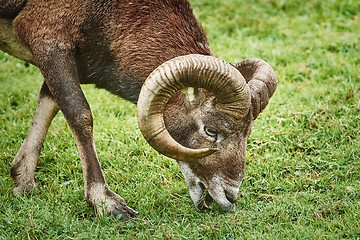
(303, 165)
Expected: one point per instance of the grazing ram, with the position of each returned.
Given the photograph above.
(192, 106)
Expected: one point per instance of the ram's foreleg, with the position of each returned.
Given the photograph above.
(61, 77)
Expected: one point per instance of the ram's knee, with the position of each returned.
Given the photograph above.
(80, 121)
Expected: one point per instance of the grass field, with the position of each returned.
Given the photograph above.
(303, 161)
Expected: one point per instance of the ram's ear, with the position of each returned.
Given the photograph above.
(262, 82)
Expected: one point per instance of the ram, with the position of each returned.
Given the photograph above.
(192, 107)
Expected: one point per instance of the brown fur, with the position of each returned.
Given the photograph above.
(135, 38)
(10, 8)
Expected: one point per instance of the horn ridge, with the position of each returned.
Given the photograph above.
(262, 81)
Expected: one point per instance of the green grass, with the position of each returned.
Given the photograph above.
(303, 162)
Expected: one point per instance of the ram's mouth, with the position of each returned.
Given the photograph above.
(205, 201)
(226, 201)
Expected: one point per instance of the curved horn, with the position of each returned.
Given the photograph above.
(198, 71)
(262, 81)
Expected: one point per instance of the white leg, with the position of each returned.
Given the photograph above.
(24, 165)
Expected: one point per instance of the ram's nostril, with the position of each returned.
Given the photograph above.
(202, 186)
(230, 198)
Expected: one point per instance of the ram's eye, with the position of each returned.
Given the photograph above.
(211, 132)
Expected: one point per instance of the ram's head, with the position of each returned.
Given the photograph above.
(199, 110)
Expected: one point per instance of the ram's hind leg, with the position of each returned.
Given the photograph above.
(24, 165)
